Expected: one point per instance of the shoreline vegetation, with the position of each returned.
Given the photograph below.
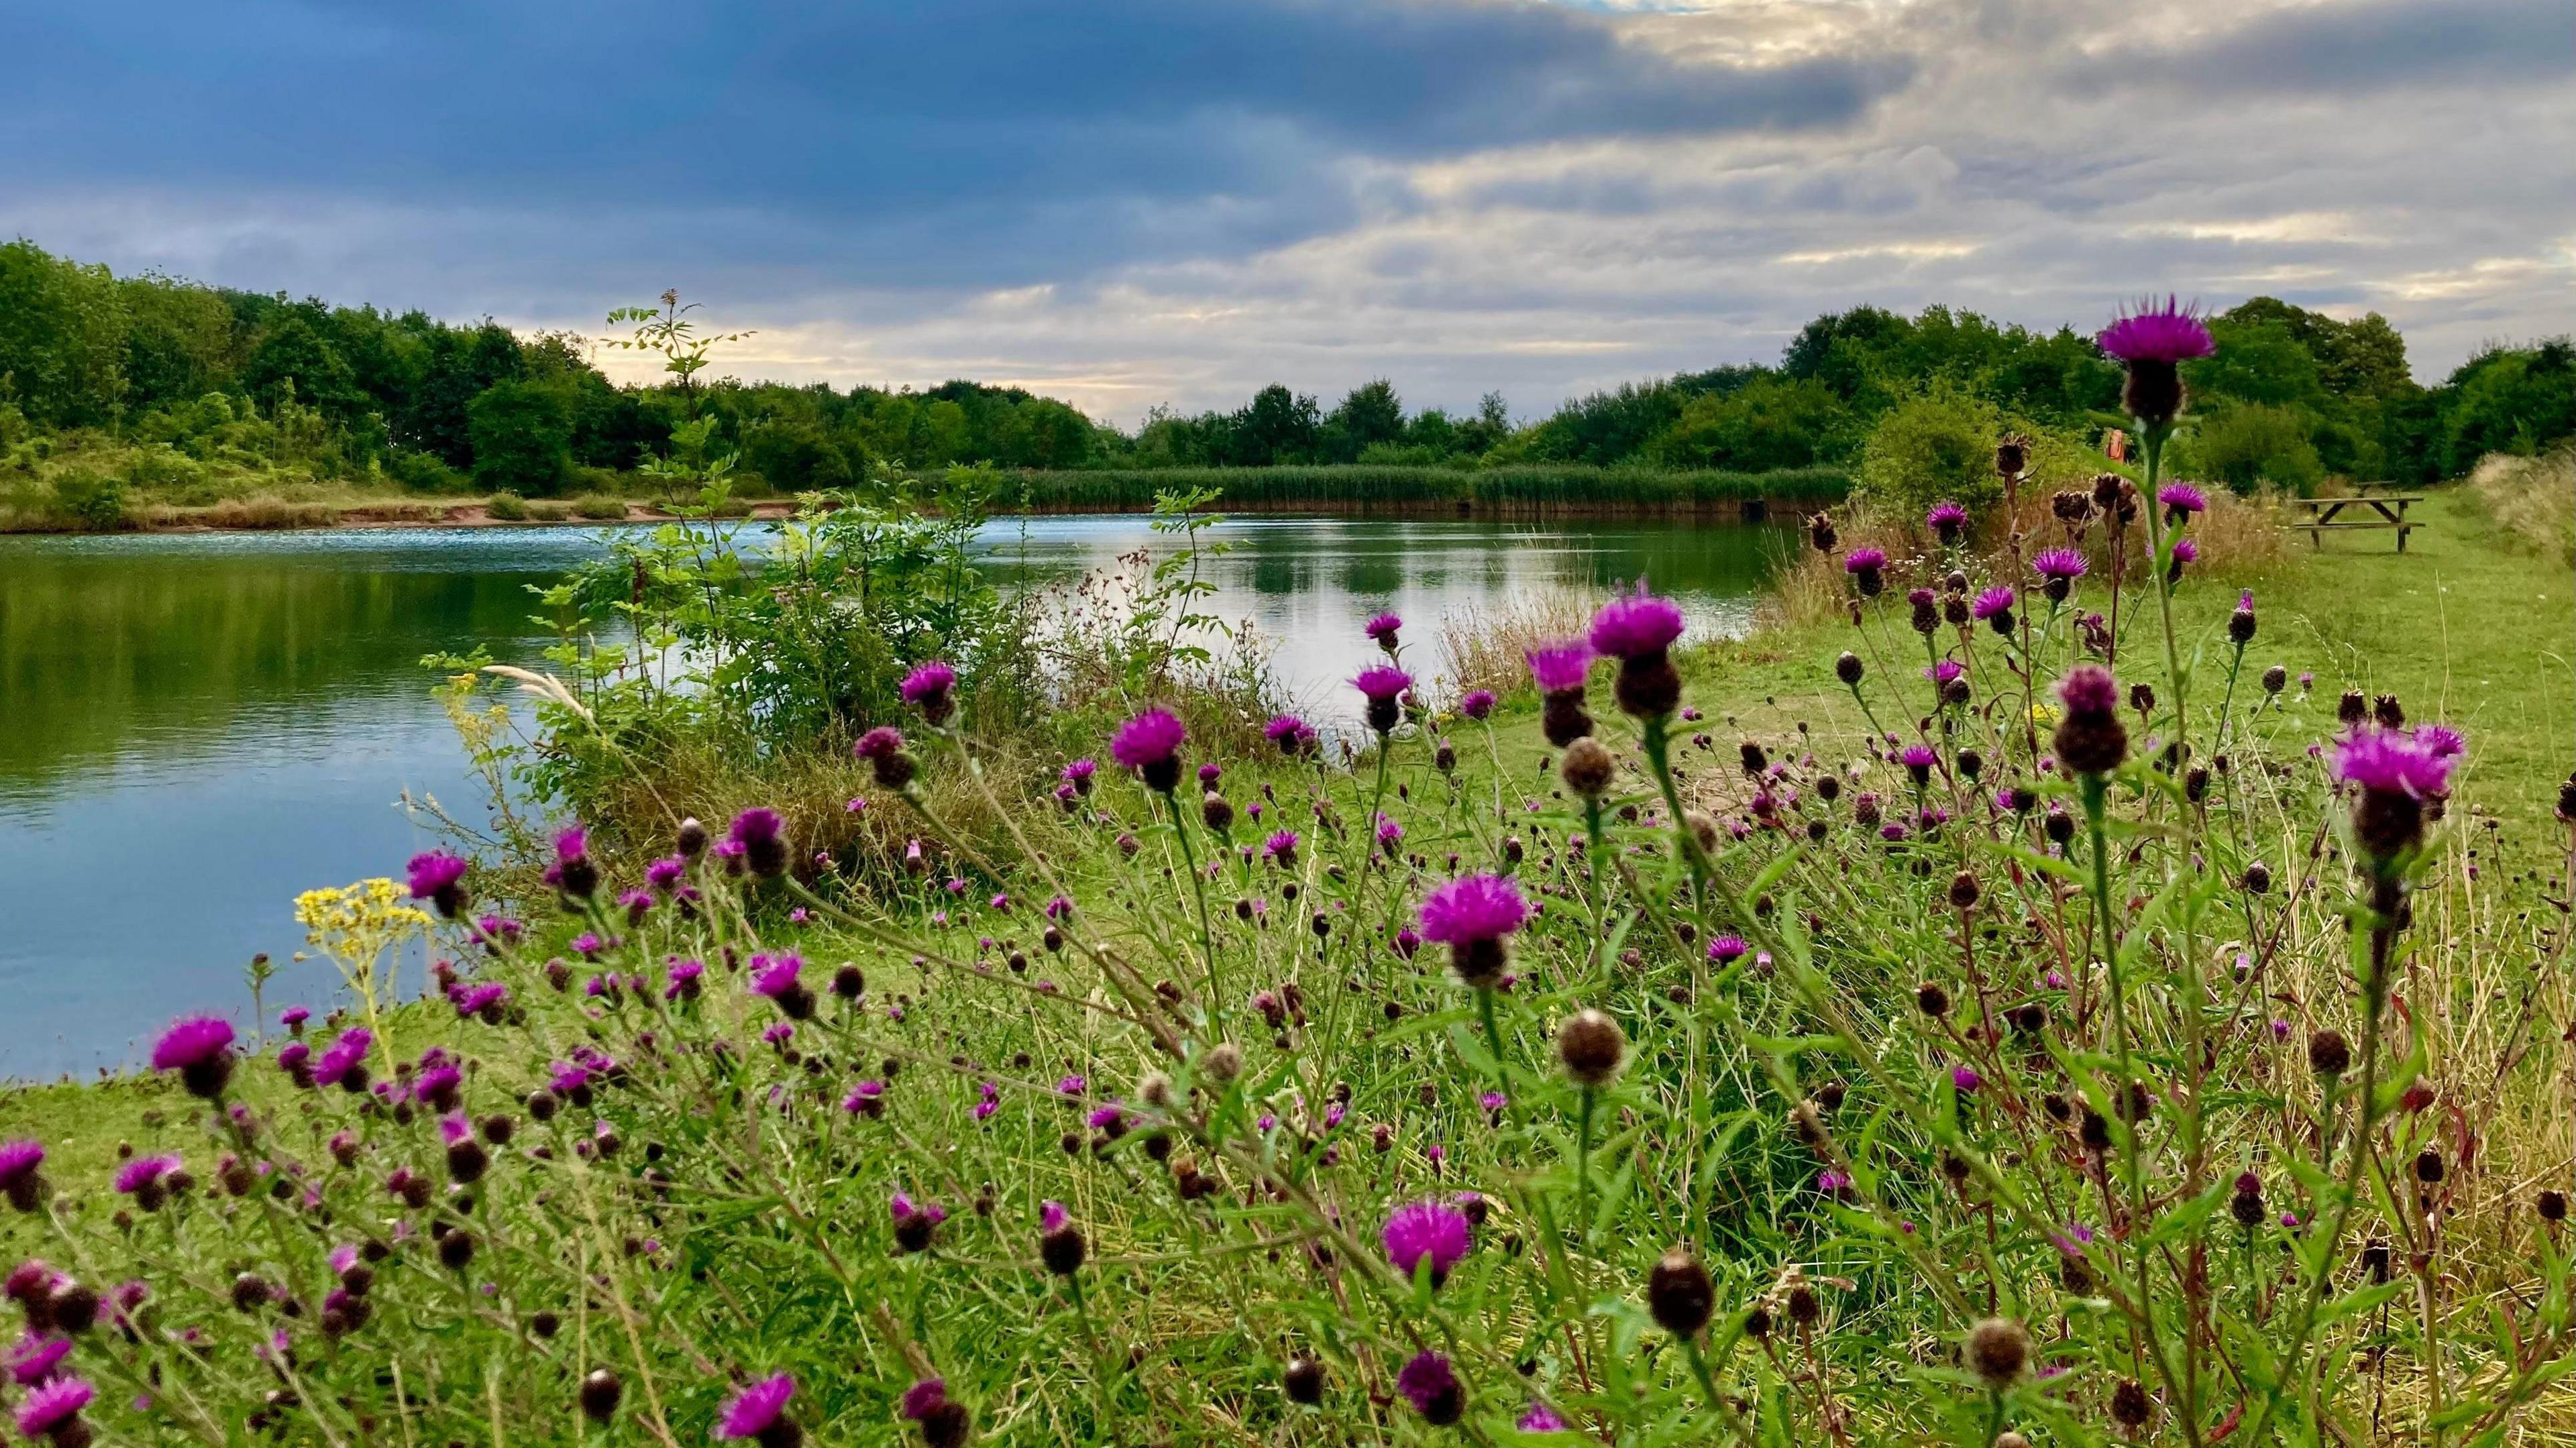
(1571, 491)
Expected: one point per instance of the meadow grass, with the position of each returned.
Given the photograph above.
(1232, 1068)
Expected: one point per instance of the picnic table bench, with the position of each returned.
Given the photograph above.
(2326, 513)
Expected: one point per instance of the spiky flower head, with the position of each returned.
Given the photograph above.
(1473, 908)
(1476, 703)
(1637, 626)
(2182, 498)
(1382, 630)
(931, 689)
(2056, 563)
(1430, 1231)
(1864, 560)
(1561, 667)
(438, 876)
(48, 1410)
(1150, 744)
(755, 1409)
(1382, 684)
(1431, 1385)
(2168, 333)
(1992, 602)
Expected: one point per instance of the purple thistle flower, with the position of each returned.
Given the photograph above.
(1946, 519)
(2441, 741)
(1473, 908)
(19, 1161)
(1052, 1216)
(1283, 730)
(1541, 1419)
(1281, 848)
(1431, 1385)
(1864, 560)
(757, 831)
(2182, 499)
(2089, 689)
(1966, 1079)
(755, 1408)
(1639, 626)
(927, 688)
(1559, 667)
(2389, 761)
(1383, 683)
(50, 1409)
(667, 872)
(1150, 743)
(1382, 629)
(1727, 949)
(1919, 756)
(2167, 334)
(923, 1398)
(195, 1044)
(36, 1357)
(2059, 563)
(1991, 602)
(775, 976)
(881, 742)
(1945, 672)
(2184, 551)
(1477, 703)
(438, 877)
(1430, 1231)
(143, 1175)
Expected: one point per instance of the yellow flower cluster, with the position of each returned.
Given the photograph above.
(353, 924)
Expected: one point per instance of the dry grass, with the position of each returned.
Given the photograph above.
(2534, 498)
(1488, 647)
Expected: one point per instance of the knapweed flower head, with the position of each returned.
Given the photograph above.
(200, 1049)
(1382, 630)
(2168, 333)
(1727, 949)
(1639, 626)
(1946, 672)
(1283, 731)
(1946, 519)
(1383, 683)
(1281, 848)
(775, 976)
(755, 1410)
(760, 834)
(1992, 603)
(922, 1397)
(931, 689)
(2441, 741)
(1476, 703)
(21, 1175)
(2090, 739)
(2089, 689)
(572, 872)
(438, 877)
(1150, 744)
(2056, 564)
(1865, 560)
(1561, 667)
(35, 1358)
(1471, 916)
(2182, 499)
(1431, 1231)
(1540, 1419)
(143, 1174)
(1472, 908)
(879, 743)
(1431, 1386)
(48, 1410)
(2392, 761)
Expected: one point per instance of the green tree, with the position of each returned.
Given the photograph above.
(295, 360)
(62, 338)
(178, 341)
(1369, 415)
(522, 437)
(1773, 422)
(1937, 445)
(2255, 444)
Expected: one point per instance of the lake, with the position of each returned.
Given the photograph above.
(195, 727)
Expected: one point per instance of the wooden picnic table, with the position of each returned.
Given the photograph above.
(2325, 513)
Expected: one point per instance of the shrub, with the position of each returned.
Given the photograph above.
(548, 510)
(508, 507)
(1935, 446)
(424, 472)
(600, 507)
(2254, 445)
(92, 500)
(522, 437)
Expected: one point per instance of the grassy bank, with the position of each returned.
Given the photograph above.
(1522, 490)
(1226, 1083)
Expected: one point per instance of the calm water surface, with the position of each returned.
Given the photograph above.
(194, 728)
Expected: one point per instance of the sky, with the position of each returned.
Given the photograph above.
(1128, 203)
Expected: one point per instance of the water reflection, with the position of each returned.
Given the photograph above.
(194, 728)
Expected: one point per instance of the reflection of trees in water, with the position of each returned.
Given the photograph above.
(101, 655)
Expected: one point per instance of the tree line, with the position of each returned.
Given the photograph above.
(2292, 396)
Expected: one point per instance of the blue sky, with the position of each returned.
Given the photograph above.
(1132, 202)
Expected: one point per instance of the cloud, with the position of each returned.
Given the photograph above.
(1138, 201)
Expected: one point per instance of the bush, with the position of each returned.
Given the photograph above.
(93, 500)
(508, 507)
(2249, 446)
(599, 507)
(424, 472)
(522, 437)
(1936, 446)
(548, 510)
(160, 469)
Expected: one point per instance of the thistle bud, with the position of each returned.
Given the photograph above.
(1679, 1293)
(1592, 1048)
(1998, 1350)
